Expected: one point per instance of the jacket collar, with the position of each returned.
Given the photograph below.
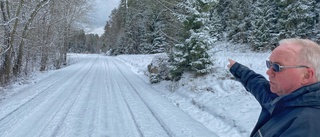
(304, 96)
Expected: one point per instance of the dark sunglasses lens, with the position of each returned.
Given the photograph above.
(268, 64)
(276, 67)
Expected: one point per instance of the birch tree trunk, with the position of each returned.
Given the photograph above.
(36, 33)
(9, 39)
(18, 64)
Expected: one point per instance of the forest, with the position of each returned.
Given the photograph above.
(36, 35)
(186, 29)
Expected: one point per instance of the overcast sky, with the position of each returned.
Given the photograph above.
(102, 11)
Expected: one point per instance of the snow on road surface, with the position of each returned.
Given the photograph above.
(98, 96)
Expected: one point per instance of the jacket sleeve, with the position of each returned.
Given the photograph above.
(255, 83)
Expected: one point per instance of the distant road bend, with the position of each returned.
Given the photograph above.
(98, 96)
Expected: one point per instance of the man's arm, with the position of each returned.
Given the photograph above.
(255, 83)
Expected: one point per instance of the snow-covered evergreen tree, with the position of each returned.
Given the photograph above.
(316, 28)
(192, 53)
(238, 20)
(178, 61)
(153, 26)
(198, 45)
(159, 43)
(296, 18)
(263, 23)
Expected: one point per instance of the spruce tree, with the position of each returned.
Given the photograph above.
(296, 18)
(191, 55)
(159, 42)
(263, 23)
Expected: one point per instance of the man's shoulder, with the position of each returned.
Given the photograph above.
(308, 113)
(311, 110)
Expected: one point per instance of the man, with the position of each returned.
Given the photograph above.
(290, 100)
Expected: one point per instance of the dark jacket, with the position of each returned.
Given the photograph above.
(293, 115)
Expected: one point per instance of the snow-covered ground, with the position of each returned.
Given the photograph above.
(215, 100)
(98, 96)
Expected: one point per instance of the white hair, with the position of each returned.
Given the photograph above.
(309, 54)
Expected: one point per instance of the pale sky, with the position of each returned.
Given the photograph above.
(102, 9)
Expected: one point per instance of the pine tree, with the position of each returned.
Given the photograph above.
(238, 21)
(192, 54)
(198, 57)
(179, 61)
(296, 18)
(159, 43)
(316, 29)
(263, 24)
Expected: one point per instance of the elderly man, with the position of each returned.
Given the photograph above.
(290, 100)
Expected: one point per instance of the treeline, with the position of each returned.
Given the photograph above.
(34, 35)
(81, 42)
(144, 26)
(140, 26)
(186, 29)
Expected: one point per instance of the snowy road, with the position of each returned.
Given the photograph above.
(96, 97)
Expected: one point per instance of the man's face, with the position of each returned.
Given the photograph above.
(288, 79)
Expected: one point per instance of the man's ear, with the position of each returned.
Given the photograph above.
(308, 77)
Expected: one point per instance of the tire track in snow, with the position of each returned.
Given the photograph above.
(177, 122)
(168, 132)
(73, 98)
(116, 86)
(22, 112)
(114, 109)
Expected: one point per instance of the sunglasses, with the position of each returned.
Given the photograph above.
(277, 68)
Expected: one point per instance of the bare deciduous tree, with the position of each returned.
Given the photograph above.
(35, 34)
